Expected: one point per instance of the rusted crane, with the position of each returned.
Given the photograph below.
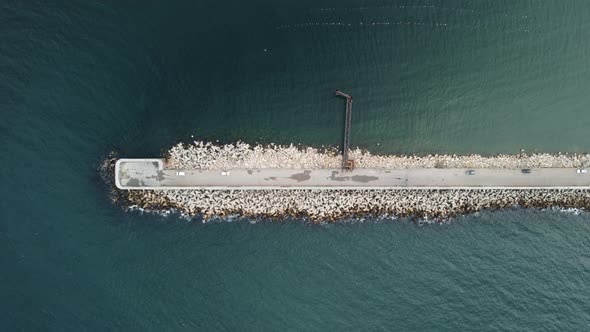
(347, 164)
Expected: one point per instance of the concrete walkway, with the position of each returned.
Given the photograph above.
(150, 174)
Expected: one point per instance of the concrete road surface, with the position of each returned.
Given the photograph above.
(150, 174)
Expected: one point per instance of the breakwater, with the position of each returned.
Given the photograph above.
(205, 155)
(330, 205)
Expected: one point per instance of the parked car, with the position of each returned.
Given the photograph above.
(225, 173)
(470, 172)
(526, 170)
(179, 173)
(580, 171)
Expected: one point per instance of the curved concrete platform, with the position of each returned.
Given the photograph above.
(139, 173)
(151, 174)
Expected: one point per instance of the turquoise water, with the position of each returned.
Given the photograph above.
(80, 78)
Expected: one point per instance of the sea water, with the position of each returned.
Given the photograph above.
(79, 79)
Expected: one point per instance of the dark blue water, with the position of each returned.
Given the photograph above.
(79, 79)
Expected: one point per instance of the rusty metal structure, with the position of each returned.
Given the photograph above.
(347, 164)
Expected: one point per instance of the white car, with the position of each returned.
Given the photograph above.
(580, 171)
(179, 173)
(225, 173)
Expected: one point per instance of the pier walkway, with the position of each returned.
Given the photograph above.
(151, 174)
